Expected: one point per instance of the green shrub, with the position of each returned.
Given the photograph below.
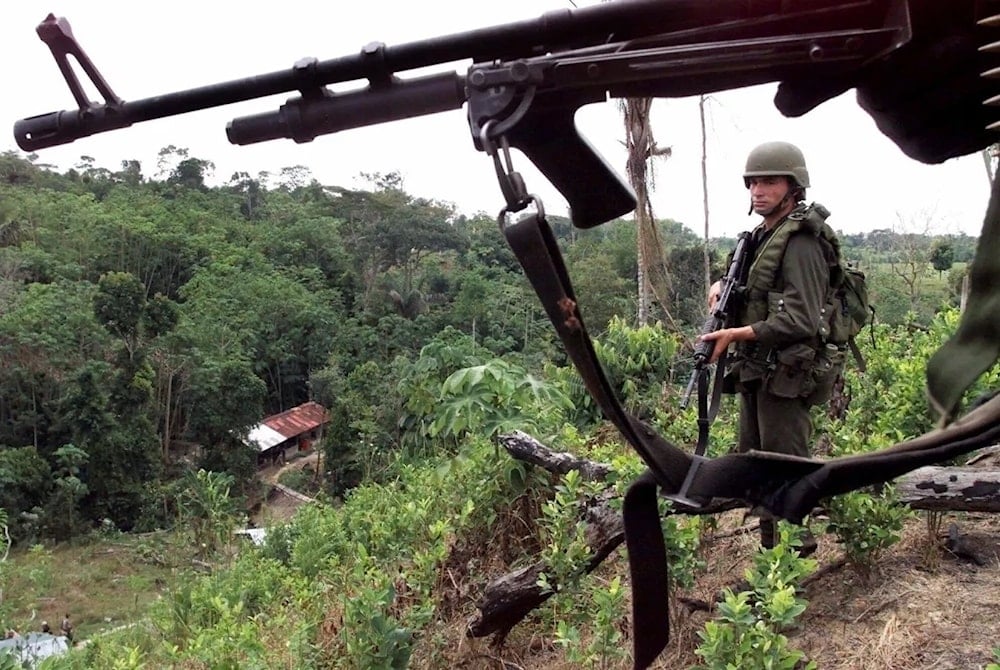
(747, 633)
(866, 524)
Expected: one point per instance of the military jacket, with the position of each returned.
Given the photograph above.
(787, 309)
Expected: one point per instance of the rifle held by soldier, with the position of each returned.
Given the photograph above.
(722, 312)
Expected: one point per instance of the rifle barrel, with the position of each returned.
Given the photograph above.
(302, 119)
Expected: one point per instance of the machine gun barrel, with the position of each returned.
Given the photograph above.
(376, 62)
(303, 119)
(526, 81)
(566, 31)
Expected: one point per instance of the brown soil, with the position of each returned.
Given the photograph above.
(921, 608)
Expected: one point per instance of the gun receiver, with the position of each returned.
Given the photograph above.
(526, 82)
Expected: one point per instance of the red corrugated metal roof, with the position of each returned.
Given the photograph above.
(298, 420)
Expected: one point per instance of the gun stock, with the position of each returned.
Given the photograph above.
(527, 79)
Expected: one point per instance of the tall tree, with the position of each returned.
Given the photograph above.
(706, 252)
(653, 275)
(942, 256)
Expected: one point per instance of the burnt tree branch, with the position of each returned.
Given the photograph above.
(951, 489)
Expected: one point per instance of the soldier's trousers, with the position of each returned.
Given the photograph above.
(770, 423)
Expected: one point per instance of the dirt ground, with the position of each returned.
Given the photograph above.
(922, 608)
(278, 507)
(271, 473)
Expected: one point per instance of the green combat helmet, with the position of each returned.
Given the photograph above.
(777, 159)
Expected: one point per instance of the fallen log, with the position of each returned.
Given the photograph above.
(524, 447)
(950, 489)
(938, 488)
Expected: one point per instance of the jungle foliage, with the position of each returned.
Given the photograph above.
(139, 315)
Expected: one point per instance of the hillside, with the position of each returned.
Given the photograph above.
(138, 314)
(923, 604)
(920, 608)
(912, 612)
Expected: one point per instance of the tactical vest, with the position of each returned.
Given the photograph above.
(763, 277)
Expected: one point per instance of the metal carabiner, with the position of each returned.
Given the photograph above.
(511, 183)
(529, 199)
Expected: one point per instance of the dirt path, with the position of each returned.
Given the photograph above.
(271, 474)
(278, 507)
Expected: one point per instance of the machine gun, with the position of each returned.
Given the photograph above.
(525, 84)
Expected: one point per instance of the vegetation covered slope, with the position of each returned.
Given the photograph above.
(139, 315)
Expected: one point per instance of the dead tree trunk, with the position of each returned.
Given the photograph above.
(508, 599)
(525, 448)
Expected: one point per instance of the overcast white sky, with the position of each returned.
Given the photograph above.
(146, 49)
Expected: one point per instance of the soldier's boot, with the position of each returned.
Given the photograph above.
(768, 533)
(809, 544)
(769, 538)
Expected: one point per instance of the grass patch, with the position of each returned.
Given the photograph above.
(102, 582)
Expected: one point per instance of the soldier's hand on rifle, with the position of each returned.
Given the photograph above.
(713, 295)
(726, 336)
(928, 95)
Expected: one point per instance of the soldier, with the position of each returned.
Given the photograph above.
(783, 365)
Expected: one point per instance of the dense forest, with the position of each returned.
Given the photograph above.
(146, 323)
(139, 315)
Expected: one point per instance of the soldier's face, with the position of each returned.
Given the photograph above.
(766, 193)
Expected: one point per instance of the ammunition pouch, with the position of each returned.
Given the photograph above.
(802, 371)
(792, 376)
(827, 368)
(753, 363)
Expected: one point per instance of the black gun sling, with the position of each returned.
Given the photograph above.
(787, 486)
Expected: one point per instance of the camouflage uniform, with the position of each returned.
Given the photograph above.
(787, 368)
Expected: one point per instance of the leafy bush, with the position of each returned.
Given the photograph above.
(497, 396)
(748, 632)
(566, 552)
(866, 524)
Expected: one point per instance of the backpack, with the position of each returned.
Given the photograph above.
(852, 310)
